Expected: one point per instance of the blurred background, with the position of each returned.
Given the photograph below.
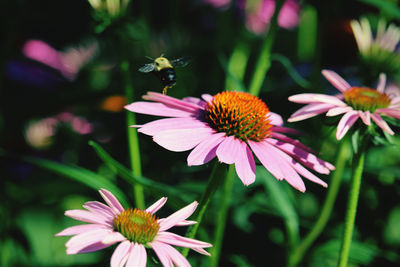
(61, 86)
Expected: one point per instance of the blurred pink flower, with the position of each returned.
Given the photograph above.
(68, 62)
(354, 102)
(230, 126)
(258, 15)
(134, 229)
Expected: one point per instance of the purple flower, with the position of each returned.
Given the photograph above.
(230, 126)
(134, 230)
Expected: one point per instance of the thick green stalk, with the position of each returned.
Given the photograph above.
(222, 215)
(358, 167)
(133, 142)
(264, 60)
(298, 253)
(217, 174)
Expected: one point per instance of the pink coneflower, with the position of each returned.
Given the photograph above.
(134, 229)
(354, 102)
(259, 14)
(230, 126)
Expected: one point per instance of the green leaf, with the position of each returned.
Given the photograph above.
(327, 253)
(127, 175)
(284, 207)
(81, 175)
(388, 7)
(291, 70)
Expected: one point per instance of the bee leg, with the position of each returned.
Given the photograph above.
(164, 91)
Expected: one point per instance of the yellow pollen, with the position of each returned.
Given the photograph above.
(137, 225)
(363, 98)
(239, 114)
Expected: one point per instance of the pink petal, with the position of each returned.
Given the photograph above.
(381, 123)
(44, 53)
(381, 83)
(88, 241)
(99, 208)
(205, 151)
(286, 130)
(389, 112)
(317, 98)
(154, 127)
(156, 206)
(87, 216)
(345, 123)
(137, 256)
(113, 238)
(289, 15)
(195, 100)
(228, 150)
(185, 223)
(176, 257)
(365, 116)
(338, 110)
(245, 165)
(178, 216)
(305, 173)
(157, 109)
(162, 254)
(182, 139)
(111, 200)
(270, 157)
(121, 253)
(177, 240)
(310, 111)
(79, 229)
(336, 80)
(201, 251)
(172, 102)
(289, 140)
(207, 97)
(308, 159)
(275, 119)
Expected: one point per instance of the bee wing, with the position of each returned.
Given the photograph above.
(180, 62)
(147, 68)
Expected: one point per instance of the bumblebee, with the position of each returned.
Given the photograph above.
(164, 70)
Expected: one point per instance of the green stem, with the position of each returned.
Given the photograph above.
(358, 166)
(222, 215)
(326, 211)
(217, 174)
(133, 142)
(264, 60)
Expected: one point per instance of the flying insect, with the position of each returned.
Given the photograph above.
(164, 70)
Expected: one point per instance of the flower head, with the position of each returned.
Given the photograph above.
(380, 51)
(134, 229)
(230, 126)
(354, 102)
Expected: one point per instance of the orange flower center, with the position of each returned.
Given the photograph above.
(137, 225)
(239, 114)
(362, 98)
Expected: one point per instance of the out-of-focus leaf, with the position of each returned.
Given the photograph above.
(45, 249)
(240, 260)
(234, 80)
(127, 175)
(284, 207)
(307, 33)
(392, 228)
(385, 6)
(327, 254)
(79, 174)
